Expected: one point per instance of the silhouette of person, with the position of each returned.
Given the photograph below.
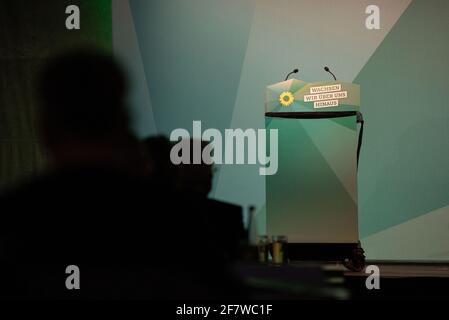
(92, 208)
(196, 178)
(76, 210)
(223, 221)
(156, 151)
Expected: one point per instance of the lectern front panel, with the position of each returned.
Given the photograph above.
(313, 196)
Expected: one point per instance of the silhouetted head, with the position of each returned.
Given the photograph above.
(83, 112)
(157, 156)
(196, 178)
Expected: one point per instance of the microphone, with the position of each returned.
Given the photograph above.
(288, 75)
(328, 70)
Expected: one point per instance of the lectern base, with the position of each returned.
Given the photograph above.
(321, 251)
(351, 254)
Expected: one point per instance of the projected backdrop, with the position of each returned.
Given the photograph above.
(211, 60)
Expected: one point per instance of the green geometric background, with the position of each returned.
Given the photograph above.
(211, 60)
(31, 32)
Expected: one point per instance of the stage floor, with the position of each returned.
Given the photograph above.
(318, 280)
(406, 270)
(403, 281)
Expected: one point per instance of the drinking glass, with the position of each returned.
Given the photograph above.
(263, 245)
(279, 250)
